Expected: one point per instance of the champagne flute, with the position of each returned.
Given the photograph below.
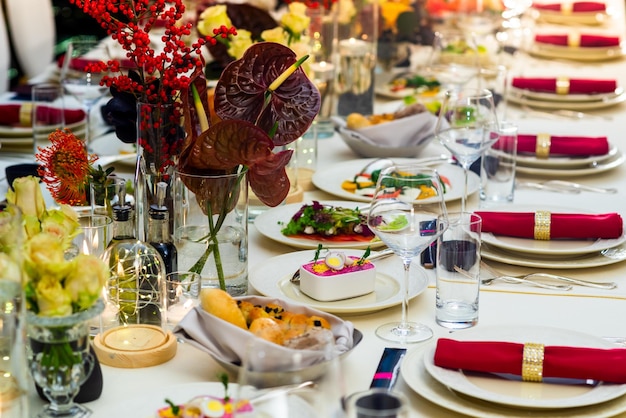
(467, 126)
(403, 214)
(79, 81)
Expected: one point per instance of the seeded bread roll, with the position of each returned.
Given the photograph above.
(219, 303)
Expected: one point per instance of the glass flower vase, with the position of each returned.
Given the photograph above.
(211, 228)
(160, 137)
(60, 359)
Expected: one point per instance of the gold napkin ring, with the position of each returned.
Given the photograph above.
(573, 40)
(567, 8)
(542, 146)
(532, 364)
(543, 219)
(26, 110)
(562, 85)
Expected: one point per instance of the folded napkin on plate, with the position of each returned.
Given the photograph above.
(576, 7)
(565, 145)
(574, 40)
(79, 64)
(602, 364)
(20, 114)
(565, 85)
(562, 225)
(228, 342)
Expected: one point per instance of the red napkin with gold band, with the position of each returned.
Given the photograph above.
(16, 115)
(576, 7)
(565, 145)
(585, 41)
(603, 364)
(576, 86)
(562, 225)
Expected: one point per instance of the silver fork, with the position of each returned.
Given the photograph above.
(528, 277)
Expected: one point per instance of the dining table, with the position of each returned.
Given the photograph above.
(581, 310)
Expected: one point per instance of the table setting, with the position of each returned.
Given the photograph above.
(527, 275)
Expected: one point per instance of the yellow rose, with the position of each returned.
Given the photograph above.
(44, 255)
(240, 43)
(52, 299)
(296, 21)
(346, 11)
(62, 223)
(10, 268)
(26, 194)
(276, 34)
(212, 18)
(85, 280)
(11, 232)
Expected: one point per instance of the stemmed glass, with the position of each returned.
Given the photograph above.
(403, 214)
(81, 83)
(467, 126)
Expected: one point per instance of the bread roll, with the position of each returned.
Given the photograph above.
(268, 329)
(219, 303)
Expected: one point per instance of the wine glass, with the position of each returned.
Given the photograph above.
(403, 214)
(453, 60)
(78, 79)
(467, 125)
(284, 382)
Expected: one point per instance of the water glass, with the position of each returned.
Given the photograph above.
(182, 294)
(458, 271)
(377, 403)
(94, 236)
(47, 115)
(497, 171)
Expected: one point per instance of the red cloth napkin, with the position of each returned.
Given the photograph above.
(576, 86)
(562, 225)
(586, 41)
(565, 145)
(10, 114)
(79, 64)
(577, 7)
(603, 364)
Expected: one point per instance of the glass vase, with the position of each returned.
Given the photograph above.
(60, 359)
(211, 228)
(160, 137)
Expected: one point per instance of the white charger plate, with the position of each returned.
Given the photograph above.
(590, 169)
(578, 18)
(556, 248)
(565, 162)
(597, 259)
(539, 95)
(522, 99)
(271, 222)
(577, 53)
(330, 179)
(110, 145)
(272, 278)
(525, 395)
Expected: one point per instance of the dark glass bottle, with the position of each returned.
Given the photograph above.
(159, 230)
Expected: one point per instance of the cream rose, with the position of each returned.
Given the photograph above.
(52, 299)
(84, 282)
(296, 21)
(240, 43)
(211, 18)
(44, 255)
(61, 223)
(26, 194)
(10, 268)
(276, 34)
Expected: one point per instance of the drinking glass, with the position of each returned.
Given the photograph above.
(47, 113)
(284, 382)
(453, 60)
(403, 214)
(467, 126)
(79, 81)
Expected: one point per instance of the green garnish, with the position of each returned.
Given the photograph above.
(175, 408)
(366, 254)
(223, 377)
(399, 222)
(317, 252)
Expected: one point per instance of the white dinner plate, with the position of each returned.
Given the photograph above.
(577, 18)
(414, 373)
(110, 145)
(577, 53)
(24, 134)
(530, 160)
(330, 179)
(540, 95)
(272, 221)
(602, 103)
(556, 248)
(590, 169)
(271, 278)
(525, 395)
(596, 259)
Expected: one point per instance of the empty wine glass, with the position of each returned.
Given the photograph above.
(453, 60)
(467, 126)
(286, 382)
(79, 79)
(403, 214)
